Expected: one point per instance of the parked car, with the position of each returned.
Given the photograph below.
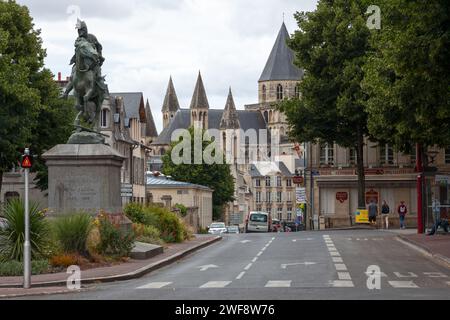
(3, 223)
(292, 227)
(232, 229)
(217, 228)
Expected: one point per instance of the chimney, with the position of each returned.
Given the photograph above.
(59, 76)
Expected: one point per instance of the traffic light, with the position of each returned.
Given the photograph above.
(26, 160)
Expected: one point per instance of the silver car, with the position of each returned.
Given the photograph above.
(217, 228)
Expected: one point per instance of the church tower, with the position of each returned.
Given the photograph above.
(199, 105)
(170, 104)
(279, 80)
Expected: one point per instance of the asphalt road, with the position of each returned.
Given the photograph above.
(302, 265)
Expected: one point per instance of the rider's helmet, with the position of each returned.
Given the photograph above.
(81, 27)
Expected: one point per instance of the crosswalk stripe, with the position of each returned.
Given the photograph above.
(343, 284)
(344, 276)
(154, 285)
(215, 284)
(340, 267)
(402, 284)
(435, 274)
(382, 274)
(337, 259)
(278, 284)
(335, 254)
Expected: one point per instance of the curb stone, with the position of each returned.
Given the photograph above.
(126, 276)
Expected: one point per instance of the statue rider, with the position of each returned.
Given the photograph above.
(83, 32)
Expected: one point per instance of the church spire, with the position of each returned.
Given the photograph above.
(280, 65)
(170, 100)
(199, 99)
(230, 119)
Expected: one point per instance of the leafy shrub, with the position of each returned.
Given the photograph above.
(202, 230)
(140, 214)
(72, 232)
(15, 268)
(182, 208)
(114, 240)
(12, 238)
(147, 234)
(172, 230)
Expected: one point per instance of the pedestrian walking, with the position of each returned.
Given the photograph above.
(402, 211)
(373, 211)
(385, 214)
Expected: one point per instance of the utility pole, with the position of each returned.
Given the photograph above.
(26, 164)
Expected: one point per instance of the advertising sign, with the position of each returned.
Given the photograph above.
(362, 216)
(300, 195)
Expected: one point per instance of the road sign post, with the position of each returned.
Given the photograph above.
(26, 164)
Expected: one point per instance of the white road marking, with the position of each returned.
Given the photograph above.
(306, 239)
(206, 267)
(335, 254)
(240, 275)
(245, 241)
(248, 266)
(409, 275)
(402, 284)
(344, 276)
(259, 253)
(307, 263)
(154, 285)
(254, 259)
(340, 267)
(382, 274)
(337, 259)
(278, 284)
(332, 249)
(435, 274)
(343, 283)
(215, 284)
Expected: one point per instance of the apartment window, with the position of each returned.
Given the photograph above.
(352, 156)
(289, 215)
(279, 92)
(289, 196)
(258, 182)
(258, 196)
(279, 196)
(447, 155)
(258, 208)
(267, 181)
(280, 213)
(326, 154)
(268, 197)
(278, 181)
(288, 183)
(104, 118)
(386, 154)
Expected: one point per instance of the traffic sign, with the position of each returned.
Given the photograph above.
(126, 194)
(26, 161)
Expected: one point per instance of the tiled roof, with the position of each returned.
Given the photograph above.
(153, 181)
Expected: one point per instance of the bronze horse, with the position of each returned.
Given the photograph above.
(88, 85)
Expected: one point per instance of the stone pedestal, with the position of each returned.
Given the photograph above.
(83, 177)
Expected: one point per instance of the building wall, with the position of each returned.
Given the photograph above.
(189, 197)
(271, 90)
(14, 184)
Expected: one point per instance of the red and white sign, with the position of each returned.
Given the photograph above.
(341, 196)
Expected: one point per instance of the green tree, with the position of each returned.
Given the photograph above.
(216, 176)
(331, 45)
(408, 77)
(31, 115)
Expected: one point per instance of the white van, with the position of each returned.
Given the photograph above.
(258, 221)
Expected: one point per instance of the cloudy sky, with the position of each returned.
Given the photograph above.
(145, 42)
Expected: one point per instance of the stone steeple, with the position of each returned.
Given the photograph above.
(150, 128)
(170, 104)
(230, 119)
(199, 105)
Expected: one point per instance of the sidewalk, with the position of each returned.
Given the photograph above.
(437, 247)
(56, 282)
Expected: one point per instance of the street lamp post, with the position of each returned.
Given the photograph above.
(419, 170)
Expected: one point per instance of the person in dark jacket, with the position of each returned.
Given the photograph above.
(385, 214)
